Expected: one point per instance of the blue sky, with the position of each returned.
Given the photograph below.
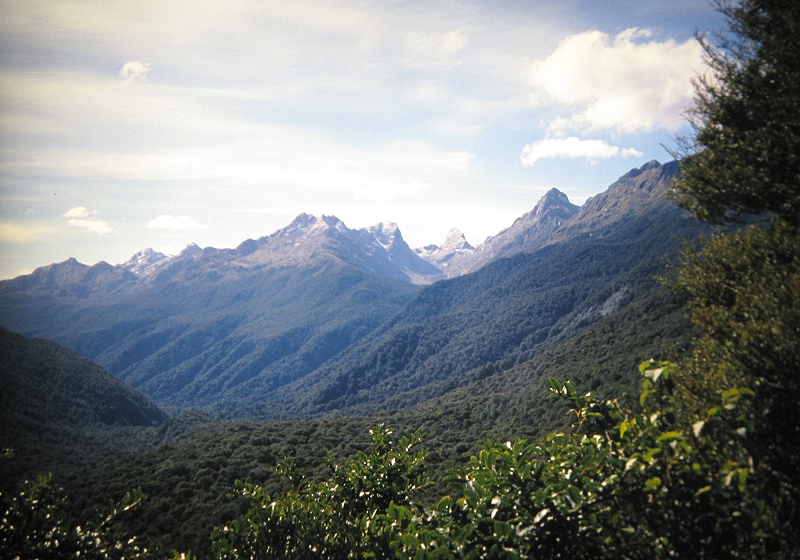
(127, 125)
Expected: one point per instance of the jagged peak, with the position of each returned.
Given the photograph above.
(455, 240)
(191, 249)
(388, 236)
(145, 261)
(553, 199)
(301, 222)
(652, 164)
(148, 252)
(387, 228)
(144, 256)
(554, 196)
(385, 233)
(333, 222)
(306, 223)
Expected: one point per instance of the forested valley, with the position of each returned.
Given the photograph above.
(620, 391)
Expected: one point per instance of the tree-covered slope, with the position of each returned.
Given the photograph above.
(187, 465)
(57, 407)
(202, 326)
(44, 384)
(606, 259)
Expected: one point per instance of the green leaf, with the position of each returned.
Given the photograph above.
(574, 494)
(703, 490)
(555, 384)
(668, 436)
(652, 484)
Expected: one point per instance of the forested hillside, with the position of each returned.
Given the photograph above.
(186, 340)
(44, 383)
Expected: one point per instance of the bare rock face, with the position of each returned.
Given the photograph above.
(455, 246)
(456, 257)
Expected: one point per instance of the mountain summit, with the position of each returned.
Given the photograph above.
(455, 246)
(379, 250)
(526, 234)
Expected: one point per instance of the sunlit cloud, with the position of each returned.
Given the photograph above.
(134, 71)
(77, 212)
(177, 223)
(628, 83)
(80, 217)
(573, 147)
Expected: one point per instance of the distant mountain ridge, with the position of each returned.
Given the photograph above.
(526, 234)
(634, 194)
(318, 317)
(455, 248)
(379, 250)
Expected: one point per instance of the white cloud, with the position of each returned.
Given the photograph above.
(573, 147)
(134, 70)
(80, 217)
(77, 212)
(628, 83)
(165, 221)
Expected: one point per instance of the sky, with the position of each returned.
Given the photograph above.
(134, 124)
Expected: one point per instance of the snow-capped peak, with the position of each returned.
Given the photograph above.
(145, 261)
(385, 234)
(191, 249)
(455, 245)
(455, 241)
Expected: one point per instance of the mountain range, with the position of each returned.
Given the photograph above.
(319, 318)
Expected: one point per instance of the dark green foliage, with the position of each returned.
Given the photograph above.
(335, 518)
(744, 157)
(192, 464)
(743, 292)
(743, 288)
(188, 464)
(34, 525)
(51, 398)
(629, 482)
(43, 382)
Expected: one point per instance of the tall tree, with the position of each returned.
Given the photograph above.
(742, 166)
(744, 156)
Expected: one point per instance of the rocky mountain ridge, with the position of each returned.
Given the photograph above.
(379, 250)
(319, 317)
